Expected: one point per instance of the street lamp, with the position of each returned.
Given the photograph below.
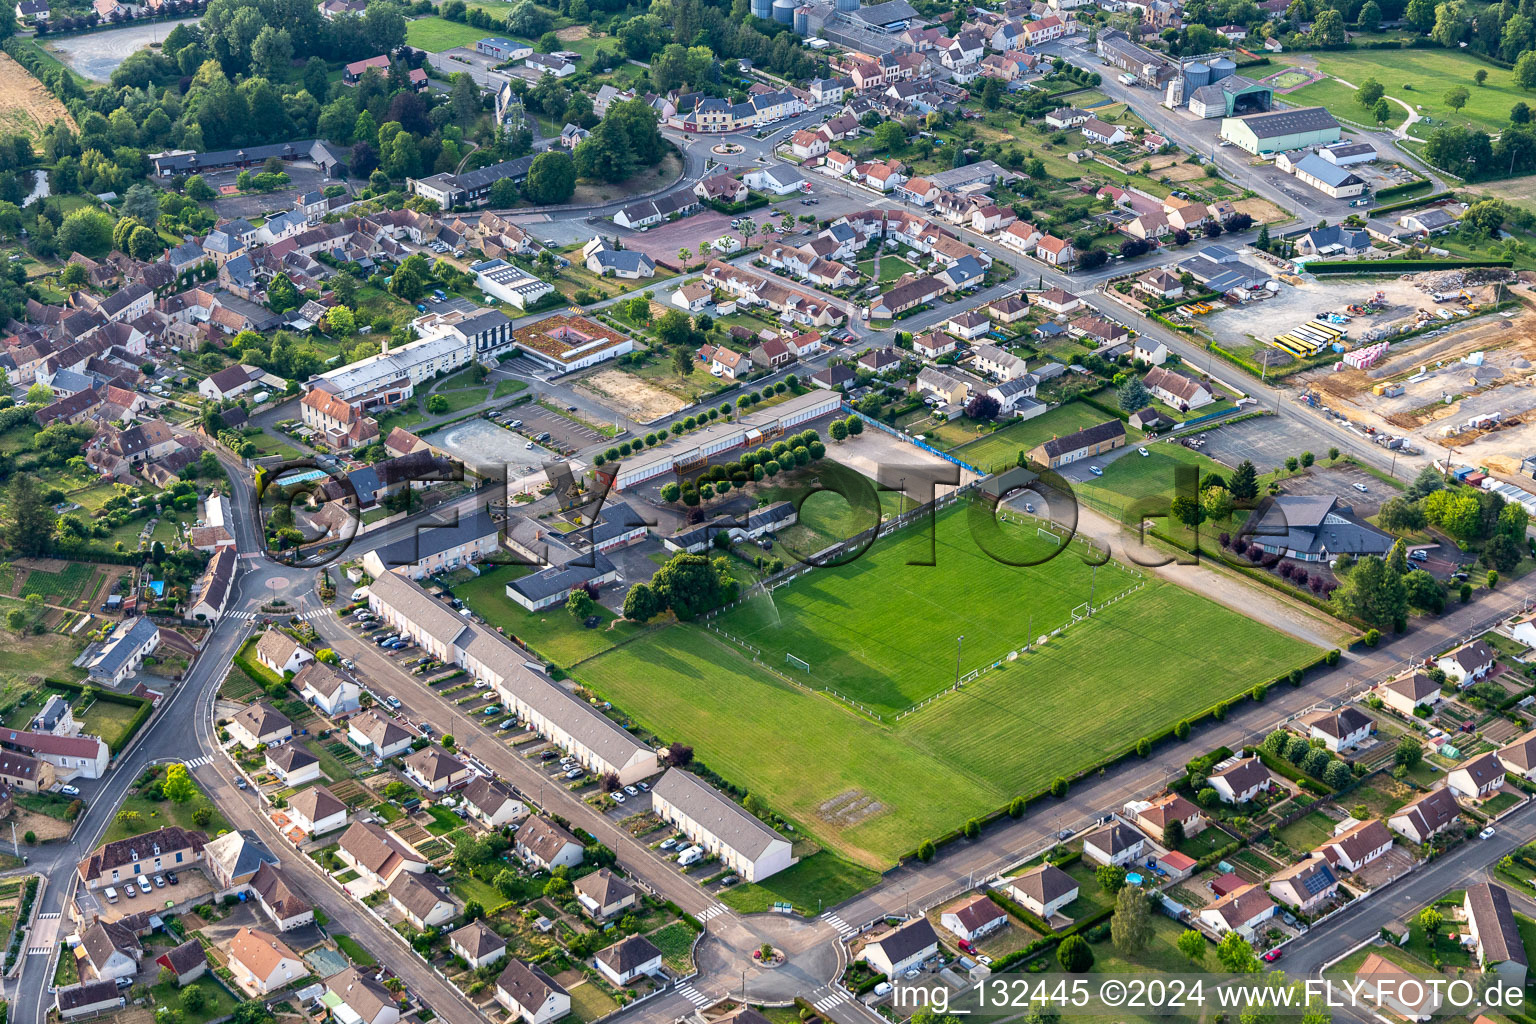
(959, 643)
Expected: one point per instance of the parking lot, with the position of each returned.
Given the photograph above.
(306, 178)
(566, 436)
(1266, 441)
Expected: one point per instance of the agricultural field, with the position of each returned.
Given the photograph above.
(26, 108)
(1421, 79)
(880, 786)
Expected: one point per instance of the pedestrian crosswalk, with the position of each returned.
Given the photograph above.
(844, 929)
(46, 930)
(248, 616)
(713, 911)
(693, 995)
(198, 762)
(827, 1003)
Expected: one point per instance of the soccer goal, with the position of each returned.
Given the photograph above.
(799, 663)
(1048, 535)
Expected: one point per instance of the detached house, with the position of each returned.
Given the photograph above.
(605, 895)
(974, 919)
(262, 963)
(1155, 818)
(1477, 779)
(629, 959)
(435, 770)
(1407, 694)
(1177, 390)
(544, 844)
(902, 949)
(531, 994)
(1242, 781)
(1494, 933)
(1468, 663)
(1426, 817)
(260, 724)
(1305, 885)
(327, 689)
(477, 944)
(378, 855)
(1117, 844)
(317, 810)
(280, 652)
(423, 899)
(1241, 911)
(1344, 729)
(1356, 847)
(1044, 890)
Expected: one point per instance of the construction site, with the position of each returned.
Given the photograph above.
(1463, 382)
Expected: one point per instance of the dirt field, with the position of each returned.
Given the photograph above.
(647, 180)
(631, 395)
(46, 828)
(573, 33)
(1183, 172)
(1261, 210)
(1442, 393)
(26, 108)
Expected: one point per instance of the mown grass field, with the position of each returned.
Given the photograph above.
(439, 34)
(1003, 446)
(1134, 478)
(551, 633)
(882, 628)
(1420, 78)
(878, 788)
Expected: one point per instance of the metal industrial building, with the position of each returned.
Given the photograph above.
(1280, 130)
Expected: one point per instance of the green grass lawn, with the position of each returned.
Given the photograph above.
(355, 951)
(891, 653)
(1003, 446)
(218, 1001)
(1335, 95)
(508, 388)
(588, 1002)
(552, 633)
(1308, 833)
(151, 815)
(110, 721)
(1133, 478)
(1420, 78)
(819, 882)
(439, 34)
(460, 399)
(879, 788)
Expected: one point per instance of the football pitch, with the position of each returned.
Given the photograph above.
(885, 628)
(871, 790)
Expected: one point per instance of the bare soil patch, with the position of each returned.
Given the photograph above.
(648, 179)
(573, 33)
(642, 400)
(1183, 172)
(1261, 210)
(45, 827)
(26, 108)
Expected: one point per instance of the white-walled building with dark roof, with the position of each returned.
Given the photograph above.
(721, 826)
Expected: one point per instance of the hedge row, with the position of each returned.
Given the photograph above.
(1407, 188)
(1402, 266)
(1019, 911)
(1109, 410)
(1047, 941)
(1280, 766)
(1407, 203)
(1185, 301)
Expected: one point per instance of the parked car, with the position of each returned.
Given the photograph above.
(159, 881)
(667, 844)
(145, 887)
(170, 876)
(1273, 955)
(1143, 452)
(575, 773)
(1486, 833)
(241, 784)
(619, 798)
(69, 790)
(631, 790)
(1095, 470)
(392, 701)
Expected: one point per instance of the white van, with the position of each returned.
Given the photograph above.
(692, 855)
(111, 894)
(360, 593)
